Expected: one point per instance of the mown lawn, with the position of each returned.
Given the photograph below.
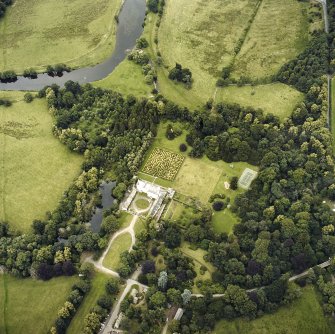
(121, 243)
(278, 33)
(36, 33)
(277, 98)
(304, 316)
(97, 289)
(30, 306)
(35, 167)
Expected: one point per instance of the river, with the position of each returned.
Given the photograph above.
(129, 29)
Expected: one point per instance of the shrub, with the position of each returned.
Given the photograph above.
(28, 97)
(233, 183)
(218, 205)
(183, 147)
(142, 43)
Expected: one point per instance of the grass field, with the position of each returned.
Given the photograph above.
(126, 79)
(304, 316)
(277, 98)
(35, 167)
(97, 289)
(35, 33)
(121, 243)
(30, 306)
(202, 35)
(278, 33)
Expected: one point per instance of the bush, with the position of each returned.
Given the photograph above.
(218, 205)
(233, 183)
(28, 97)
(183, 147)
(142, 43)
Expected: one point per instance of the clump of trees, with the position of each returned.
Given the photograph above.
(30, 73)
(3, 5)
(5, 102)
(57, 69)
(8, 76)
(180, 74)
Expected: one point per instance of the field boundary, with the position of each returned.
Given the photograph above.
(246, 32)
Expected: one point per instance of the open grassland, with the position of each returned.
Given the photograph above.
(98, 288)
(35, 167)
(277, 98)
(121, 244)
(202, 36)
(30, 306)
(304, 316)
(36, 33)
(126, 79)
(278, 33)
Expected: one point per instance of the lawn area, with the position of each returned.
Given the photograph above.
(304, 316)
(35, 167)
(276, 98)
(30, 306)
(278, 33)
(97, 289)
(224, 221)
(125, 219)
(121, 243)
(36, 33)
(139, 226)
(126, 79)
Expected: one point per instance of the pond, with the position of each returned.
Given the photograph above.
(106, 203)
(129, 29)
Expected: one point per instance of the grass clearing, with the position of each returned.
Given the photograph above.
(27, 299)
(126, 79)
(139, 226)
(277, 98)
(42, 32)
(31, 183)
(98, 288)
(304, 316)
(198, 257)
(121, 244)
(125, 219)
(278, 33)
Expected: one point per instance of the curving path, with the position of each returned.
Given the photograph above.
(99, 264)
(291, 279)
